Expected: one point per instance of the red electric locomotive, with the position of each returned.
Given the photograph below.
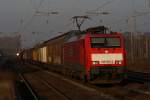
(96, 54)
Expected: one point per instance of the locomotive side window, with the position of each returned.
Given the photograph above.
(105, 42)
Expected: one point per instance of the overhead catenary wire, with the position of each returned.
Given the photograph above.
(103, 5)
(149, 3)
(127, 18)
(97, 11)
(145, 24)
(23, 26)
(32, 17)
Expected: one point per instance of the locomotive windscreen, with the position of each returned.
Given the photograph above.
(105, 42)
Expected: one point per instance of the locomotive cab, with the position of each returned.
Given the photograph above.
(106, 55)
(95, 54)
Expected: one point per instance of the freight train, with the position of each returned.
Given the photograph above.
(92, 55)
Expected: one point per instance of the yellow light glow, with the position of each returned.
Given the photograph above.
(17, 54)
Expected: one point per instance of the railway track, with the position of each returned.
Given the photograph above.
(135, 88)
(138, 77)
(122, 92)
(28, 91)
(131, 91)
(50, 88)
(25, 90)
(67, 90)
(132, 88)
(59, 92)
(109, 94)
(71, 92)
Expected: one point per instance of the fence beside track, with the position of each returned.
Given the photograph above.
(137, 46)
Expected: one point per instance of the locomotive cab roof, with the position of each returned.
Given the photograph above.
(77, 34)
(97, 30)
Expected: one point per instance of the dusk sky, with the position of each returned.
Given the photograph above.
(18, 17)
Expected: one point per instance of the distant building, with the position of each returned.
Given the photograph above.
(10, 45)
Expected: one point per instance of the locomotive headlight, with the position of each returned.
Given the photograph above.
(118, 62)
(17, 54)
(95, 62)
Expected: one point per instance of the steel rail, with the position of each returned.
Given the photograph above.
(138, 76)
(106, 96)
(50, 86)
(34, 96)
